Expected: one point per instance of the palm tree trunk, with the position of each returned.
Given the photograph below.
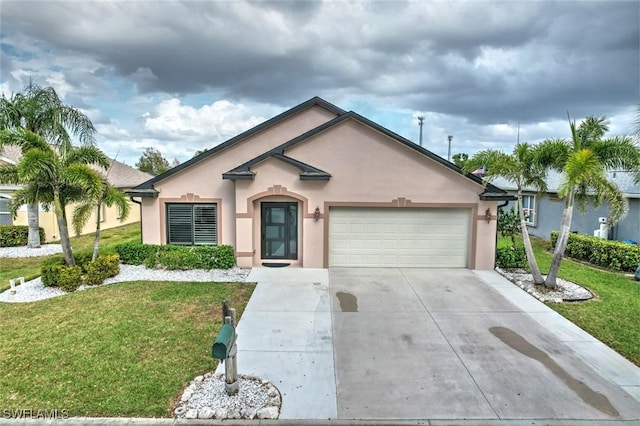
(561, 244)
(63, 229)
(531, 259)
(33, 239)
(96, 241)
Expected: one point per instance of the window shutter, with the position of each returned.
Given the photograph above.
(204, 224)
(180, 223)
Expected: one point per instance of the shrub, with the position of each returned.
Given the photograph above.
(182, 258)
(511, 257)
(105, 266)
(135, 253)
(17, 235)
(70, 278)
(177, 257)
(224, 258)
(608, 254)
(54, 272)
(50, 270)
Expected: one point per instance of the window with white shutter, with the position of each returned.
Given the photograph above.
(192, 224)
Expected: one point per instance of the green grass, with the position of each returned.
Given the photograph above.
(120, 350)
(614, 316)
(29, 267)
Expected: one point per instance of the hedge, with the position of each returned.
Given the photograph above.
(609, 254)
(174, 257)
(511, 257)
(55, 273)
(17, 235)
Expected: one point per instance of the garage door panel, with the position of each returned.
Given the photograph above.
(398, 237)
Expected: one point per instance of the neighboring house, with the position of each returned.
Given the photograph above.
(545, 211)
(317, 186)
(120, 175)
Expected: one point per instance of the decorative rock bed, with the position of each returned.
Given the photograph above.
(565, 291)
(206, 398)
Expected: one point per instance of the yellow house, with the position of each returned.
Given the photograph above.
(119, 175)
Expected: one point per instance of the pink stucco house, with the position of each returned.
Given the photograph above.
(317, 186)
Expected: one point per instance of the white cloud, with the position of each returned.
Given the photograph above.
(213, 123)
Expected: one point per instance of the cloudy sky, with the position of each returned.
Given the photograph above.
(182, 76)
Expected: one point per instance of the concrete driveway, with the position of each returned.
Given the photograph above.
(437, 345)
(443, 344)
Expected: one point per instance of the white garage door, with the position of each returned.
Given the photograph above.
(398, 237)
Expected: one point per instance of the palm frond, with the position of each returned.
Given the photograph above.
(87, 154)
(115, 197)
(9, 174)
(617, 153)
(551, 153)
(85, 177)
(81, 215)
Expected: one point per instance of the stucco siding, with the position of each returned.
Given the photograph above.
(359, 161)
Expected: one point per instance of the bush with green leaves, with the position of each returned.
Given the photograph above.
(70, 278)
(105, 266)
(177, 257)
(511, 257)
(614, 255)
(55, 273)
(509, 224)
(17, 235)
(50, 270)
(135, 253)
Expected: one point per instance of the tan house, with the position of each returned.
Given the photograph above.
(317, 186)
(119, 175)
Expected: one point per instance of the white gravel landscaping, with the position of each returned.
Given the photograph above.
(206, 398)
(24, 251)
(32, 291)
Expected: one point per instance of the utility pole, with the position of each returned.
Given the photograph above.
(450, 137)
(420, 120)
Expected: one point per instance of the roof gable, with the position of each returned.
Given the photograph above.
(315, 101)
(243, 171)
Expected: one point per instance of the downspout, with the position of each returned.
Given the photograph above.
(140, 204)
(504, 204)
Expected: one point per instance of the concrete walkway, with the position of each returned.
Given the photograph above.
(284, 336)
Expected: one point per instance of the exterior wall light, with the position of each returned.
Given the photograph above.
(488, 215)
(316, 214)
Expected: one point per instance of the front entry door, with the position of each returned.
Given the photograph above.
(279, 231)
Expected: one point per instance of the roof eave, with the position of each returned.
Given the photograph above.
(492, 196)
(142, 193)
(238, 176)
(314, 176)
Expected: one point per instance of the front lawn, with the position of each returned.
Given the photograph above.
(614, 317)
(122, 350)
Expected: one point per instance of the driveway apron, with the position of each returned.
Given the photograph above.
(443, 344)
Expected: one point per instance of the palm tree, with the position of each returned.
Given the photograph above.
(109, 196)
(519, 169)
(41, 111)
(583, 161)
(53, 177)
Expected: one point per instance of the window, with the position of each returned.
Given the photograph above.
(529, 208)
(5, 214)
(192, 224)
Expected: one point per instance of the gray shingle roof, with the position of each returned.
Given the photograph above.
(624, 180)
(120, 175)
